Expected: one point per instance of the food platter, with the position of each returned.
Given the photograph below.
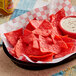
(10, 36)
(37, 66)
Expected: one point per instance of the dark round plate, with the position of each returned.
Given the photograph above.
(36, 66)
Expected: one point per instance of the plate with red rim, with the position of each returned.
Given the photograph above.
(65, 31)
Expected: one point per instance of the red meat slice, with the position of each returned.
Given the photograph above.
(13, 36)
(33, 24)
(44, 58)
(20, 48)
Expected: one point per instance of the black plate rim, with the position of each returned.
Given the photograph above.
(22, 62)
(30, 63)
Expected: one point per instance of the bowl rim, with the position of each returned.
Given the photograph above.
(63, 28)
(19, 61)
(27, 63)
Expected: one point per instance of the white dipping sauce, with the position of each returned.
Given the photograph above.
(69, 24)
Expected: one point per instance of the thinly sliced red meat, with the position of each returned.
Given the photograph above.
(13, 36)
